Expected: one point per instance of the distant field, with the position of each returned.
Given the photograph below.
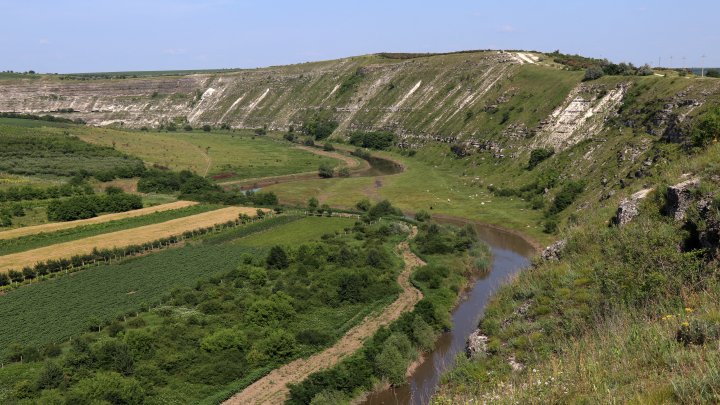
(56, 226)
(47, 150)
(23, 243)
(297, 232)
(123, 238)
(230, 155)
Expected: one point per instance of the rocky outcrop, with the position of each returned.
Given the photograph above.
(554, 251)
(476, 345)
(629, 208)
(679, 198)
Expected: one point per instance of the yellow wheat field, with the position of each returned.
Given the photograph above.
(123, 238)
(56, 226)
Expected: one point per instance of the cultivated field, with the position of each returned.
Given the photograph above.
(34, 241)
(123, 238)
(56, 226)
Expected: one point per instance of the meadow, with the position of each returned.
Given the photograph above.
(221, 154)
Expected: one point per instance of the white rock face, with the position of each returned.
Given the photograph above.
(579, 118)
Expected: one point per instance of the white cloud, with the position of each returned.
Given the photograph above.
(507, 28)
(44, 41)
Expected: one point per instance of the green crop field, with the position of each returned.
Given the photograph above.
(230, 155)
(21, 244)
(309, 228)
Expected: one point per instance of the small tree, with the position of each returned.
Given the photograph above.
(592, 73)
(364, 205)
(313, 203)
(277, 258)
(188, 127)
(344, 172)
(206, 128)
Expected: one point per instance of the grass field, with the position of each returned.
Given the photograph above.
(123, 238)
(298, 232)
(232, 155)
(434, 186)
(56, 226)
(23, 243)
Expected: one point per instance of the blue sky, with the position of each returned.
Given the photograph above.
(91, 36)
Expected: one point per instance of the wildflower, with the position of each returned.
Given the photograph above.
(685, 324)
(689, 310)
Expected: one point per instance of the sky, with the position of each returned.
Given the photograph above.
(72, 36)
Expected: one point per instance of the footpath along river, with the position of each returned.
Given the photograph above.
(510, 254)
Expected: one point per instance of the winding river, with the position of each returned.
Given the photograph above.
(510, 254)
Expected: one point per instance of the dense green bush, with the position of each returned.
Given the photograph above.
(319, 124)
(380, 140)
(88, 206)
(538, 155)
(592, 73)
(566, 196)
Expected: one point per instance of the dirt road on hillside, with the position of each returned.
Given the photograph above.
(272, 389)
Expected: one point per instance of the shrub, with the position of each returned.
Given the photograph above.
(566, 196)
(328, 147)
(373, 140)
(325, 171)
(319, 124)
(593, 73)
(188, 127)
(537, 156)
(206, 128)
(277, 258)
(344, 172)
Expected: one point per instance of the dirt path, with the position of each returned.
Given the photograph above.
(126, 237)
(56, 226)
(208, 159)
(272, 389)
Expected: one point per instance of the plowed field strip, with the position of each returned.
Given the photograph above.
(123, 238)
(56, 226)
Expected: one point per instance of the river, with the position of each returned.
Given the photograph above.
(510, 254)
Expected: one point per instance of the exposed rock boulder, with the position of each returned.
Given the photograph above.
(476, 345)
(679, 198)
(628, 208)
(554, 251)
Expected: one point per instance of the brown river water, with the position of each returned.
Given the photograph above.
(510, 254)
